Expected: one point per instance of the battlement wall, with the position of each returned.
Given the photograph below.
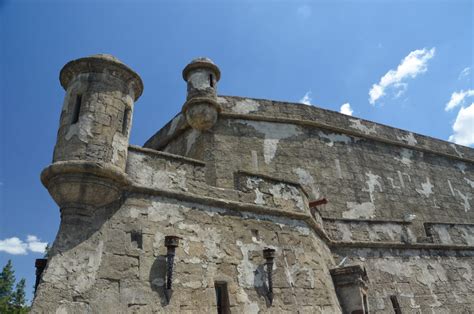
(300, 114)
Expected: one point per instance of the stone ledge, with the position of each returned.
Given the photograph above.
(217, 202)
(374, 221)
(268, 177)
(166, 155)
(448, 223)
(398, 245)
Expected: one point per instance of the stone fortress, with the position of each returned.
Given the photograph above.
(248, 205)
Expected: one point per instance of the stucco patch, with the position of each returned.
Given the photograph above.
(357, 210)
(372, 182)
(273, 132)
(405, 157)
(408, 138)
(426, 188)
(305, 179)
(245, 106)
(335, 138)
(357, 124)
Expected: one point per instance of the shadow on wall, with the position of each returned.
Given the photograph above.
(261, 284)
(79, 225)
(75, 256)
(157, 278)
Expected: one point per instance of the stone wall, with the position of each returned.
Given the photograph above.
(399, 203)
(383, 172)
(423, 281)
(119, 265)
(446, 233)
(112, 259)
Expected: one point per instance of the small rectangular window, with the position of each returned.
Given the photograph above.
(428, 230)
(77, 109)
(222, 298)
(395, 304)
(136, 239)
(126, 116)
(211, 80)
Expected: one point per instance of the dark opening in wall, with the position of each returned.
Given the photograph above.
(76, 109)
(222, 297)
(136, 239)
(366, 304)
(428, 230)
(126, 116)
(395, 304)
(255, 234)
(211, 81)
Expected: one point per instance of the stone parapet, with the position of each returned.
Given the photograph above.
(300, 114)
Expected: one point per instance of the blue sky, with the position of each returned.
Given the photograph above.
(415, 56)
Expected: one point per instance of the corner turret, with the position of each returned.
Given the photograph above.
(91, 148)
(201, 108)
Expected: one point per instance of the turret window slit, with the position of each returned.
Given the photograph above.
(126, 115)
(395, 304)
(222, 297)
(76, 109)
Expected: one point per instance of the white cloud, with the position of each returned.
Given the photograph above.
(412, 65)
(457, 98)
(304, 11)
(306, 99)
(463, 127)
(13, 246)
(16, 246)
(35, 245)
(346, 109)
(464, 73)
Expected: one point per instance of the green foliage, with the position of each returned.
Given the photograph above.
(19, 297)
(7, 280)
(12, 301)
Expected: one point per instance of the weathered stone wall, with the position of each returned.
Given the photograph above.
(369, 231)
(112, 259)
(364, 176)
(158, 170)
(386, 188)
(97, 111)
(399, 204)
(104, 268)
(423, 281)
(446, 233)
(361, 177)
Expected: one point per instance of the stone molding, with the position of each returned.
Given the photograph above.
(101, 64)
(201, 100)
(101, 170)
(200, 63)
(166, 155)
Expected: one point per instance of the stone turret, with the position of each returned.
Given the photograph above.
(201, 108)
(91, 148)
